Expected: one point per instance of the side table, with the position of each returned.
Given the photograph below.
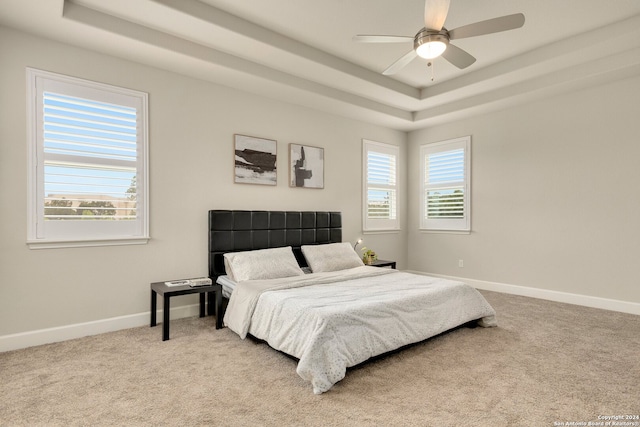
(213, 291)
(383, 263)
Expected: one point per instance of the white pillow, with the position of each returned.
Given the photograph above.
(331, 257)
(261, 264)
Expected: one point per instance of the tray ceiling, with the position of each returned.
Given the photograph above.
(302, 51)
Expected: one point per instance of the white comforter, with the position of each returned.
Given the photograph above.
(331, 321)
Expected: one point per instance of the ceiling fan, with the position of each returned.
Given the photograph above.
(433, 40)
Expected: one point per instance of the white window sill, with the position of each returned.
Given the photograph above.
(422, 230)
(382, 231)
(56, 244)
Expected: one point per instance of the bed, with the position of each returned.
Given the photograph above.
(292, 282)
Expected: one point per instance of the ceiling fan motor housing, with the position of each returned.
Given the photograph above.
(430, 43)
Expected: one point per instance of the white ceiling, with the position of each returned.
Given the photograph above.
(301, 51)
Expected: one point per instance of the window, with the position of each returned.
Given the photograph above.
(445, 181)
(380, 186)
(87, 163)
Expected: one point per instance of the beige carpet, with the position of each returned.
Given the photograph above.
(546, 363)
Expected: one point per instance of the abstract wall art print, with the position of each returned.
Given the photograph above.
(306, 166)
(255, 160)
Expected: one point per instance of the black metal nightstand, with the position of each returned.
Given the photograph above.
(383, 263)
(213, 291)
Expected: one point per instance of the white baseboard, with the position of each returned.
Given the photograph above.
(79, 330)
(565, 297)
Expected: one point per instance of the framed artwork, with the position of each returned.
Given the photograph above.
(255, 160)
(306, 166)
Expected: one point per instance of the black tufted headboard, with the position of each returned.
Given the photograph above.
(231, 231)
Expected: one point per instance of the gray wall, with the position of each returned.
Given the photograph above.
(192, 123)
(555, 200)
(555, 196)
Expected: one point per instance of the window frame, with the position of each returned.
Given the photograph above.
(72, 233)
(447, 225)
(371, 225)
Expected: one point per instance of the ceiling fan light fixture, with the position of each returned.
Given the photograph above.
(431, 50)
(430, 45)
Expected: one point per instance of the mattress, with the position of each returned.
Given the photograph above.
(228, 285)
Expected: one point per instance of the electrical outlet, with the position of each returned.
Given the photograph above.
(460, 263)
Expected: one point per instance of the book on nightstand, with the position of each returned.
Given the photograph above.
(200, 281)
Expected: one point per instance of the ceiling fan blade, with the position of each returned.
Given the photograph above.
(495, 25)
(381, 39)
(435, 13)
(400, 63)
(458, 57)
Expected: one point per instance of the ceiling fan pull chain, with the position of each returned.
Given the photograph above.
(430, 65)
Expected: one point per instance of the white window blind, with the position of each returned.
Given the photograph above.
(88, 158)
(381, 186)
(90, 154)
(445, 185)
